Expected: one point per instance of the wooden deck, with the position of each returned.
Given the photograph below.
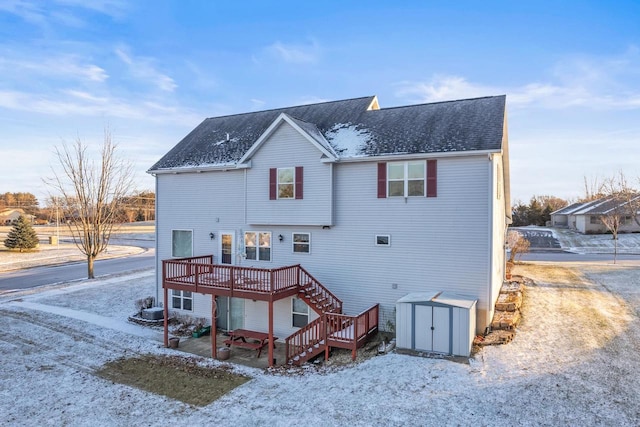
(331, 329)
(201, 275)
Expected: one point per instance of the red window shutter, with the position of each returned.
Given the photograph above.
(382, 180)
(273, 184)
(299, 181)
(432, 178)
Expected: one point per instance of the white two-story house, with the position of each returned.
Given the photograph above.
(374, 203)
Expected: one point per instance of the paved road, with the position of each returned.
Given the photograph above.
(47, 275)
(560, 256)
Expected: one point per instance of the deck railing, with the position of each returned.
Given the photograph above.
(334, 330)
(317, 293)
(306, 338)
(201, 273)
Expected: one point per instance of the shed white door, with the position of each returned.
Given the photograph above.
(431, 328)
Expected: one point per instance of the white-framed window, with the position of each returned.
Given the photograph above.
(383, 240)
(593, 219)
(301, 243)
(299, 313)
(406, 179)
(181, 243)
(286, 183)
(181, 300)
(257, 245)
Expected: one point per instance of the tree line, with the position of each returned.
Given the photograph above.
(139, 206)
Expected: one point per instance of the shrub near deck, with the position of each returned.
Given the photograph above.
(175, 377)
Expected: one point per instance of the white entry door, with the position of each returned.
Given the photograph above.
(227, 247)
(431, 328)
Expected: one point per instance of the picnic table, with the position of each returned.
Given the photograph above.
(248, 339)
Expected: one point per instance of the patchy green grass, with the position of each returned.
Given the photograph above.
(175, 377)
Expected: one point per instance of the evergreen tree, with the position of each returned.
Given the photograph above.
(22, 236)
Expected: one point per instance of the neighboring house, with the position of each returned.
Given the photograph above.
(374, 203)
(562, 217)
(587, 217)
(9, 216)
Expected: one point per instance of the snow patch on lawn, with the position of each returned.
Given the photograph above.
(557, 371)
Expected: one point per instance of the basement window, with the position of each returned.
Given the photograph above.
(383, 240)
(299, 313)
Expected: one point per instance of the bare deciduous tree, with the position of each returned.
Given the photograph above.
(623, 204)
(91, 192)
(517, 243)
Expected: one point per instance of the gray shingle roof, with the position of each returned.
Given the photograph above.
(351, 130)
(601, 206)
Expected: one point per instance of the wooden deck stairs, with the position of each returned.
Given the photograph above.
(331, 329)
(319, 298)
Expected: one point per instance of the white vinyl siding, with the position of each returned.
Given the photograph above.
(287, 149)
(430, 235)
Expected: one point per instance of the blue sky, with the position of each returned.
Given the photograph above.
(153, 70)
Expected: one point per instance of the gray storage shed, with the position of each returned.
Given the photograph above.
(436, 323)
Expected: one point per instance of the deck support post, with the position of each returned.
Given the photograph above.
(214, 334)
(166, 316)
(325, 337)
(271, 332)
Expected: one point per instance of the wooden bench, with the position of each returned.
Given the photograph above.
(252, 345)
(239, 338)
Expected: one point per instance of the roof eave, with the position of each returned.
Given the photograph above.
(409, 156)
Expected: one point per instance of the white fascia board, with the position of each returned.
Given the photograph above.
(407, 156)
(198, 169)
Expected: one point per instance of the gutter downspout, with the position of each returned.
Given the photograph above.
(158, 282)
(491, 243)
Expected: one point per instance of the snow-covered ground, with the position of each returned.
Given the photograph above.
(574, 361)
(47, 254)
(572, 241)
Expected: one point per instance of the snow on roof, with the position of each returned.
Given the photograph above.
(351, 129)
(347, 140)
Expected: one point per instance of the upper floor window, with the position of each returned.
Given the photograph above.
(257, 245)
(181, 243)
(406, 179)
(286, 183)
(413, 178)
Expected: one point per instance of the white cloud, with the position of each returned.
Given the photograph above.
(67, 66)
(26, 10)
(596, 83)
(113, 8)
(295, 54)
(257, 103)
(65, 12)
(70, 102)
(142, 68)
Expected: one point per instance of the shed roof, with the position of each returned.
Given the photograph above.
(352, 128)
(440, 298)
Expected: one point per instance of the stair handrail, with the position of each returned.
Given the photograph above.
(335, 302)
(309, 335)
